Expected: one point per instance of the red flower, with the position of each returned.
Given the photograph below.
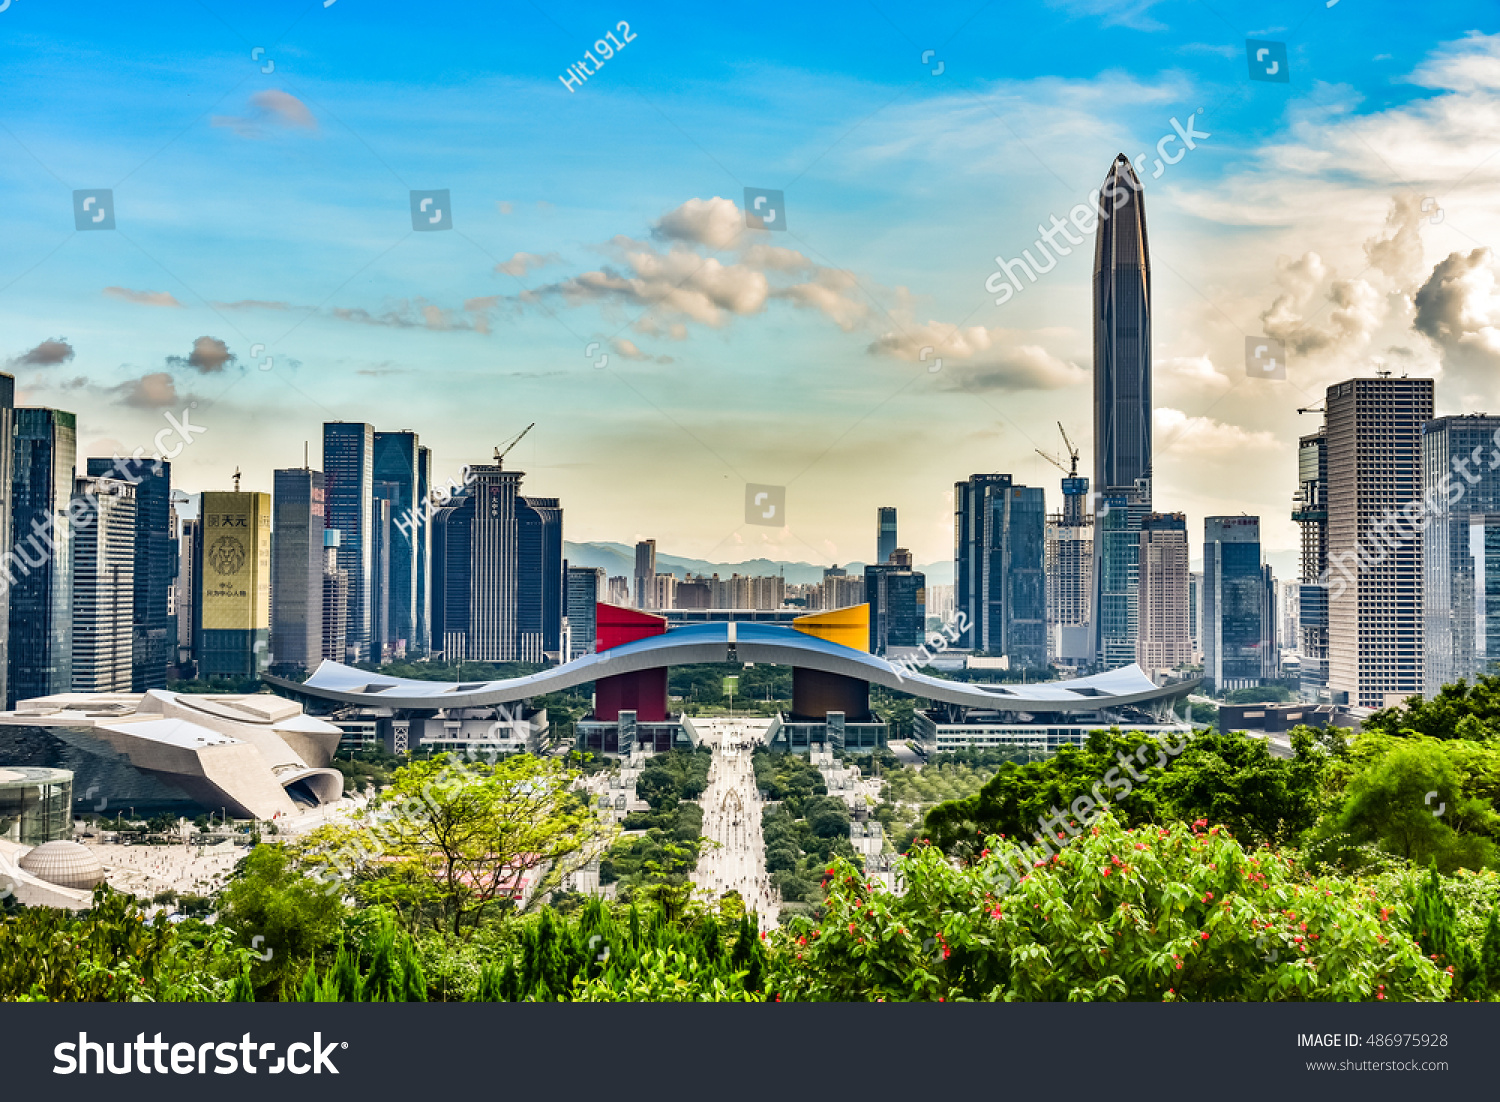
(1204, 935)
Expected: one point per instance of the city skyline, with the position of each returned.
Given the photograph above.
(801, 362)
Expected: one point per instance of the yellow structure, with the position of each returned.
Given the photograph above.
(234, 579)
(848, 627)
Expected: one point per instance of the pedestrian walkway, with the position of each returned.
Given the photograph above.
(733, 857)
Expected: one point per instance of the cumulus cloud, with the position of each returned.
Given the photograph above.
(209, 355)
(418, 313)
(717, 223)
(271, 109)
(152, 391)
(1358, 309)
(1458, 309)
(143, 298)
(50, 353)
(630, 351)
(977, 357)
(522, 263)
(1206, 438)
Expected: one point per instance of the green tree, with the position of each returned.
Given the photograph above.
(292, 917)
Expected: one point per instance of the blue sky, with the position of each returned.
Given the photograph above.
(1347, 212)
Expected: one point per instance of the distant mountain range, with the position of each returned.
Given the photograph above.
(618, 559)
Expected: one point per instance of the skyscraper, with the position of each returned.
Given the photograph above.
(897, 598)
(384, 645)
(1460, 567)
(885, 536)
(397, 459)
(645, 571)
(1070, 574)
(1310, 511)
(539, 578)
(335, 599)
(8, 564)
(41, 569)
(1374, 558)
(1165, 636)
(1234, 603)
(1122, 410)
(297, 567)
(422, 641)
(232, 567)
(999, 568)
(348, 467)
(104, 562)
(585, 586)
(153, 632)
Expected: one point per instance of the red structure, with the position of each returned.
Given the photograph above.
(643, 692)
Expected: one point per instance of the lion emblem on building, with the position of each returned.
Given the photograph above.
(226, 555)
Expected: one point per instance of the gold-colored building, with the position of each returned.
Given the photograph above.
(232, 569)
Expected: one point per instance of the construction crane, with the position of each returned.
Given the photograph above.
(502, 452)
(1070, 470)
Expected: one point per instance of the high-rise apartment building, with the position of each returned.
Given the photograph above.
(1122, 410)
(1165, 637)
(885, 533)
(104, 564)
(618, 591)
(41, 569)
(1310, 511)
(1374, 559)
(232, 567)
(1234, 603)
(349, 471)
(1460, 570)
(298, 564)
(645, 571)
(335, 600)
(999, 568)
(154, 630)
(584, 591)
(1070, 575)
(397, 464)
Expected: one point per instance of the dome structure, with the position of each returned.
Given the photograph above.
(66, 864)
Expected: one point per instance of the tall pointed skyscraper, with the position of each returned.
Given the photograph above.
(1122, 410)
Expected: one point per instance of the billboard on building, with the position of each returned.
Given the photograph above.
(236, 561)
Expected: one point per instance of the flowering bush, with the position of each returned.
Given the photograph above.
(1155, 913)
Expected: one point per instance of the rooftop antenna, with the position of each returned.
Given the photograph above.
(306, 465)
(500, 453)
(236, 480)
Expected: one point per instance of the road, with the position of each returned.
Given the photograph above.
(734, 856)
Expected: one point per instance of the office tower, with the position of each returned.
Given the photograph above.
(539, 578)
(619, 590)
(397, 459)
(885, 538)
(422, 641)
(1234, 603)
(152, 631)
(452, 541)
(384, 645)
(1288, 625)
(335, 600)
(645, 570)
(232, 568)
(7, 497)
(40, 570)
(1195, 612)
(585, 589)
(999, 568)
(1166, 639)
(897, 598)
(476, 559)
(1070, 574)
(1459, 568)
(349, 474)
(1374, 558)
(298, 563)
(104, 565)
(1310, 511)
(1122, 410)
(185, 587)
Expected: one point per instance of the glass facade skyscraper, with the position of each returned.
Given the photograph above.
(999, 567)
(153, 629)
(397, 462)
(1311, 513)
(897, 596)
(584, 591)
(886, 538)
(1460, 550)
(41, 576)
(539, 577)
(349, 469)
(297, 568)
(1122, 410)
(104, 589)
(1234, 603)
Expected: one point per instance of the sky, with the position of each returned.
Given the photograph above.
(264, 273)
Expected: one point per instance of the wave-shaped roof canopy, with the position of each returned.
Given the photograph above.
(741, 641)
